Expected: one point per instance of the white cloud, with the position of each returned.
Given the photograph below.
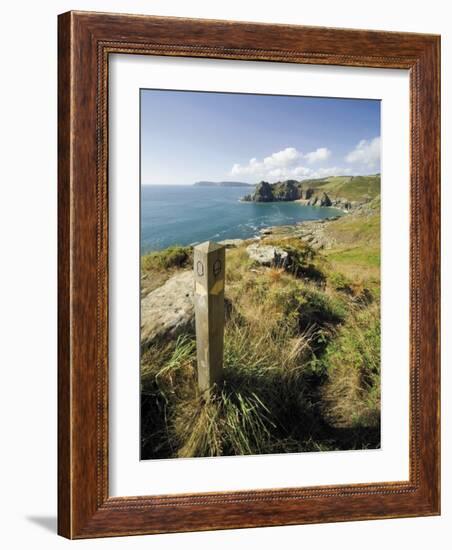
(273, 166)
(301, 171)
(285, 164)
(322, 153)
(367, 152)
(283, 158)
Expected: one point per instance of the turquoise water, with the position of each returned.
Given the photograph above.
(187, 215)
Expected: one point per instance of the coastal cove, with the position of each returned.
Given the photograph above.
(186, 214)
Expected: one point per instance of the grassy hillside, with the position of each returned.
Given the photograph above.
(356, 253)
(352, 188)
(302, 350)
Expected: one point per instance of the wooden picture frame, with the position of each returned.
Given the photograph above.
(85, 42)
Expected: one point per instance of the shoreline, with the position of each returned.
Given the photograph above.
(305, 202)
(260, 234)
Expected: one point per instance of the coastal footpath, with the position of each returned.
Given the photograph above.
(301, 347)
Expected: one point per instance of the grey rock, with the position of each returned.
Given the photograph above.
(231, 243)
(267, 255)
(325, 200)
(263, 192)
(168, 310)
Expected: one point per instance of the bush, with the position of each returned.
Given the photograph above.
(303, 260)
(338, 281)
(172, 257)
(317, 308)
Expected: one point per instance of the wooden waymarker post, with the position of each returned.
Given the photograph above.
(209, 272)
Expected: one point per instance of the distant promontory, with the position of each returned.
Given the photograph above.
(222, 184)
(344, 192)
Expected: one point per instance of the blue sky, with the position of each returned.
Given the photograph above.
(192, 136)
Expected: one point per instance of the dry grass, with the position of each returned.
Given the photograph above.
(352, 392)
(263, 366)
(301, 361)
(276, 361)
(275, 274)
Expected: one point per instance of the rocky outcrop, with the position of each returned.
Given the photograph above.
(282, 191)
(322, 192)
(263, 193)
(286, 191)
(168, 310)
(342, 204)
(314, 234)
(289, 190)
(231, 243)
(267, 255)
(320, 200)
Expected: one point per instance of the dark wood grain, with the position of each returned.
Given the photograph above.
(85, 42)
(64, 295)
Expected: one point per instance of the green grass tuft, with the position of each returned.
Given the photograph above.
(172, 257)
(352, 392)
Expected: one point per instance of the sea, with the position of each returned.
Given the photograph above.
(187, 215)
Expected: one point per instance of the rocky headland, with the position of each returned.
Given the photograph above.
(342, 192)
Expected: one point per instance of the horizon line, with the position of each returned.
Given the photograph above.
(256, 183)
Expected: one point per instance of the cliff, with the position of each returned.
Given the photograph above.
(346, 192)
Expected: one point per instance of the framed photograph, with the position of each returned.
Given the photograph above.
(248, 275)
